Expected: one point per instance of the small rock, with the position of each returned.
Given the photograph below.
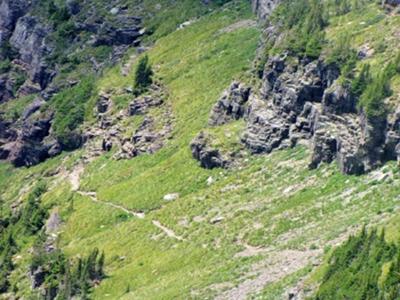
(114, 11)
(217, 219)
(171, 197)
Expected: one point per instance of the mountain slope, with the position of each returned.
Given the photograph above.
(261, 228)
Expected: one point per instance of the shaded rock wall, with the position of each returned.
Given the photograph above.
(302, 101)
(263, 8)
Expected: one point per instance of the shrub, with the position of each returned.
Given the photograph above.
(69, 106)
(304, 22)
(372, 99)
(143, 75)
(360, 82)
(5, 66)
(343, 55)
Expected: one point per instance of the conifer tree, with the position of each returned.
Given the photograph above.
(143, 75)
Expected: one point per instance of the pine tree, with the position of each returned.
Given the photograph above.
(361, 82)
(100, 266)
(143, 75)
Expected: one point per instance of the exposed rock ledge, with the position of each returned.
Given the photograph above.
(303, 101)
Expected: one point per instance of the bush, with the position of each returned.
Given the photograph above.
(372, 99)
(143, 75)
(69, 106)
(304, 21)
(343, 55)
(360, 83)
(5, 66)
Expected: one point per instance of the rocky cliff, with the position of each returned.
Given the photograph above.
(303, 100)
(36, 41)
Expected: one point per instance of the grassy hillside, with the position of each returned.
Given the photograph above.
(252, 231)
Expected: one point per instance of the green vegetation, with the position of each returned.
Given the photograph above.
(70, 107)
(64, 278)
(365, 267)
(33, 215)
(304, 21)
(378, 88)
(267, 206)
(14, 109)
(5, 66)
(28, 222)
(143, 75)
(342, 55)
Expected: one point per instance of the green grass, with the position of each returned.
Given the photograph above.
(271, 201)
(14, 108)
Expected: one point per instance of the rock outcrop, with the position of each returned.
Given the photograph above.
(30, 45)
(29, 38)
(264, 8)
(208, 156)
(10, 12)
(303, 101)
(112, 132)
(30, 143)
(231, 106)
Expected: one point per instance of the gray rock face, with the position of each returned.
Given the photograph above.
(392, 2)
(29, 143)
(29, 38)
(29, 140)
(264, 8)
(338, 100)
(287, 109)
(231, 106)
(10, 11)
(302, 101)
(208, 157)
(126, 30)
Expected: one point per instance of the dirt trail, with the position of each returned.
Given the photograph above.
(167, 231)
(93, 197)
(140, 215)
(74, 178)
(275, 267)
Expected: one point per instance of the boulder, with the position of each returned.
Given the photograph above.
(171, 197)
(142, 104)
(6, 88)
(32, 108)
(103, 103)
(73, 6)
(208, 157)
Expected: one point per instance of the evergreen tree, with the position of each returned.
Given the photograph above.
(143, 75)
(361, 82)
(100, 266)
